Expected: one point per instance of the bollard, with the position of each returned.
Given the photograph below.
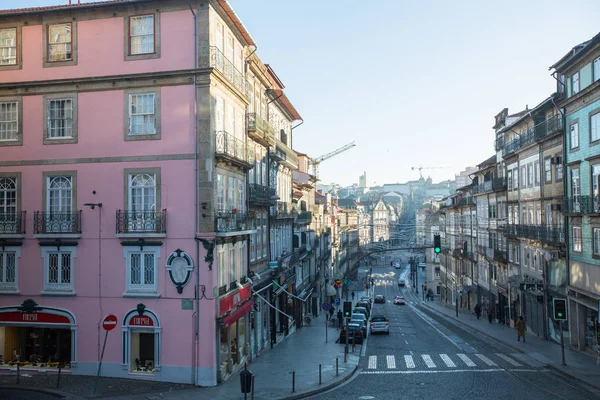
(252, 387)
(320, 380)
(337, 365)
(293, 381)
(18, 373)
(60, 366)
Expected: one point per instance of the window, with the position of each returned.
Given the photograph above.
(575, 82)
(141, 270)
(219, 114)
(8, 204)
(231, 190)
(516, 178)
(536, 167)
(61, 119)
(575, 184)
(530, 175)
(241, 195)
(9, 120)
(596, 239)
(230, 48)
(8, 46)
(59, 205)
(143, 115)
(9, 268)
(577, 245)
(264, 234)
(142, 200)
(58, 269)
(574, 136)
(595, 127)
(221, 262)
(60, 42)
(547, 170)
(523, 176)
(221, 192)
(595, 169)
(596, 69)
(558, 169)
(509, 180)
(142, 40)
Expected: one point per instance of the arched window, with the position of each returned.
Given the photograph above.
(60, 194)
(8, 196)
(141, 342)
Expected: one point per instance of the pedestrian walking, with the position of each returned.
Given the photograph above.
(331, 311)
(352, 295)
(520, 326)
(340, 316)
(489, 313)
(478, 310)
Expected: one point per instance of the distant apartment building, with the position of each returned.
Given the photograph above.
(463, 178)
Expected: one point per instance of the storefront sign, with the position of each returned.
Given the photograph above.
(141, 320)
(229, 302)
(36, 318)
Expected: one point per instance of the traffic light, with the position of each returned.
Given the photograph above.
(337, 283)
(437, 243)
(347, 309)
(560, 309)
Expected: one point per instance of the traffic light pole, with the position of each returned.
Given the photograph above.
(562, 344)
(346, 346)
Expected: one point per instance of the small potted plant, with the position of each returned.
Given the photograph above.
(235, 211)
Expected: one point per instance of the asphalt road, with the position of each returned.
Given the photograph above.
(427, 357)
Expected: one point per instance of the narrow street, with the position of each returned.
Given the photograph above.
(425, 356)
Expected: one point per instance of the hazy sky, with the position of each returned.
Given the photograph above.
(413, 83)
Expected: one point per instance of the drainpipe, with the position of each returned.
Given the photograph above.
(196, 216)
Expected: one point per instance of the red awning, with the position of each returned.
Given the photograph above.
(237, 314)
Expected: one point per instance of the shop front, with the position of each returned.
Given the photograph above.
(141, 333)
(233, 331)
(37, 338)
(583, 320)
(260, 319)
(532, 306)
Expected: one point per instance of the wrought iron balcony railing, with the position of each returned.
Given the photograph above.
(552, 234)
(12, 223)
(260, 130)
(233, 221)
(304, 217)
(518, 143)
(234, 149)
(548, 127)
(500, 255)
(260, 194)
(281, 152)
(581, 205)
(56, 222)
(141, 221)
(213, 57)
(285, 210)
(491, 185)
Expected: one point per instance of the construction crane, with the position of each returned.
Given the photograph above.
(314, 162)
(420, 168)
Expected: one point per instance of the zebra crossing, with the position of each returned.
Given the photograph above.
(445, 361)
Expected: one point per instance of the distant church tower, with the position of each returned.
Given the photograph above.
(362, 180)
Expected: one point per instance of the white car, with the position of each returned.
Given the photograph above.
(379, 323)
(400, 300)
(397, 265)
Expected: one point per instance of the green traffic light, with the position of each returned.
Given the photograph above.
(560, 314)
(437, 249)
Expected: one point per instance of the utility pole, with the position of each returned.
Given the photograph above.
(416, 277)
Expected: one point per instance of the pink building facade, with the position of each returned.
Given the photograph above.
(122, 190)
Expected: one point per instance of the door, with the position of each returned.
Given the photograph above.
(142, 203)
(8, 205)
(59, 202)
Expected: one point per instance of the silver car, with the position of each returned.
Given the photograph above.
(380, 324)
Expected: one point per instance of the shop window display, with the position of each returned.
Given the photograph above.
(142, 352)
(35, 347)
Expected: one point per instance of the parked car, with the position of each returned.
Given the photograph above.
(359, 316)
(380, 299)
(400, 300)
(379, 323)
(361, 310)
(362, 323)
(367, 299)
(354, 333)
(365, 305)
(401, 282)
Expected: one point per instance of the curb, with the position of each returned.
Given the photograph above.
(557, 369)
(58, 394)
(322, 389)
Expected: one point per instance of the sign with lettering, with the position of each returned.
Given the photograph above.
(141, 320)
(36, 318)
(229, 302)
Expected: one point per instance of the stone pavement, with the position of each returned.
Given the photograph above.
(580, 366)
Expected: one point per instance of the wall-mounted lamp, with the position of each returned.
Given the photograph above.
(93, 205)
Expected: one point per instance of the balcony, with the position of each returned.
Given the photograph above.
(282, 153)
(500, 255)
(54, 224)
(548, 127)
(260, 194)
(496, 184)
(142, 223)
(233, 221)
(520, 142)
(551, 234)
(233, 150)
(304, 218)
(284, 210)
(12, 224)
(213, 57)
(581, 205)
(467, 201)
(260, 130)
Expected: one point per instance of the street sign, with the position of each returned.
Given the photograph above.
(337, 301)
(326, 306)
(109, 322)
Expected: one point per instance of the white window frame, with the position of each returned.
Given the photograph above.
(8, 57)
(144, 114)
(596, 241)
(68, 45)
(575, 83)
(140, 290)
(58, 288)
(574, 136)
(9, 287)
(68, 121)
(595, 127)
(6, 132)
(142, 35)
(222, 264)
(577, 245)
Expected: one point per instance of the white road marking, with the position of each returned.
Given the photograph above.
(443, 371)
(449, 363)
(486, 360)
(372, 362)
(466, 360)
(428, 360)
(391, 362)
(410, 363)
(509, 360)
(420, 314)
(405, 341)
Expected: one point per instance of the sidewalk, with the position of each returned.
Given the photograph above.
(579, 366)
(301, 352)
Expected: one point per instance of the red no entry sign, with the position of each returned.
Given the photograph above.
(109, 322)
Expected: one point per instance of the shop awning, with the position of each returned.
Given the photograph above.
(237, 314)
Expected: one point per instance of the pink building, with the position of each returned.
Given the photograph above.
(123, 162)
